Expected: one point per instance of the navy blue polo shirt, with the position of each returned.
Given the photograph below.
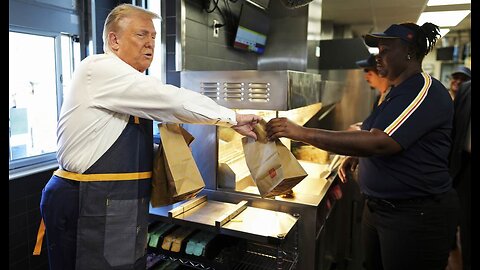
(418, 115)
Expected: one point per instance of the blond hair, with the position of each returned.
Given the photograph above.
(119, 13)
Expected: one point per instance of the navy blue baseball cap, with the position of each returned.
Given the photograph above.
(394, 31)
(462, 70)
(370, 62)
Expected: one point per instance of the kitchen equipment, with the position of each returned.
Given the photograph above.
(221, 161)
(331, 167)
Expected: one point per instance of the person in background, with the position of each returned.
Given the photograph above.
(401, 151)
(375, 81)
(95, 207)
(460, 169)
(458, 76)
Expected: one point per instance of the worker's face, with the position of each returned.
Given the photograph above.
(135, 41)
(392, 58)
(374, 80)
(370, 76)
(456, 80)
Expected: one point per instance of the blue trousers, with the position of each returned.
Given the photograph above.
(409, 234)
(60, 221)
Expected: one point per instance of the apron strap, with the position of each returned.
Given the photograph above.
(40, 234)
(134, 120)
(102, 176)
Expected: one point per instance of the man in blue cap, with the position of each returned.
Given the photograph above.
(372, 77)
(460, 171)
(460, 163)
(375, 81)
(459, 75)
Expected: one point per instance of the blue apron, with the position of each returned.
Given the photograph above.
(113, 202)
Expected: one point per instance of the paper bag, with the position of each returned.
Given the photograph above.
(175, 174)
(273, 167)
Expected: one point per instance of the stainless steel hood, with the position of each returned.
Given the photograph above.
(280, 90)
(342, 53)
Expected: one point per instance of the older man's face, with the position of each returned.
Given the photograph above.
(456, 80)
(136, 41)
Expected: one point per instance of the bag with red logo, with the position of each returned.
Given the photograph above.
(273, 167)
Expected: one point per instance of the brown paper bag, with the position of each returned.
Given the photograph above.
(175, 174)
(274, 168)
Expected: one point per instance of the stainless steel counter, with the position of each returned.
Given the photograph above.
(308, 204)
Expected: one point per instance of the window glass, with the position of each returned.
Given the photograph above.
(32, 95)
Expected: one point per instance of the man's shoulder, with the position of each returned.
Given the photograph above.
(96, 57)
(99, 62)
(466, 85)
(464, 90)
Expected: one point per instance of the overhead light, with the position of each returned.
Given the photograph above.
(447, 2)
(443, 18)
(444, 31)
(373, 50)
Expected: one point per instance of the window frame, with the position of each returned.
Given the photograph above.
(29, 165)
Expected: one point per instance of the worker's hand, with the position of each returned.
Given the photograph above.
(282, 127)
(246, 124)
(347, 167)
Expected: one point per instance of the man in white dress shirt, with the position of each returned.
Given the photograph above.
(95, 207)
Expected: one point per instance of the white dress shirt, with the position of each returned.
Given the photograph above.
(105, 91)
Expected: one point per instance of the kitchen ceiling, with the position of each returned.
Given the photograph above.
(366, 16)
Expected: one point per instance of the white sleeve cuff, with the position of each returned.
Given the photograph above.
(223, 117)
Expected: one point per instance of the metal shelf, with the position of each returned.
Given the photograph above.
(255, 257)
(192, 264)
(242, 251)
(239, 220)
(263, 257)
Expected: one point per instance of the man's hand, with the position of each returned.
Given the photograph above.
(246, 123)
